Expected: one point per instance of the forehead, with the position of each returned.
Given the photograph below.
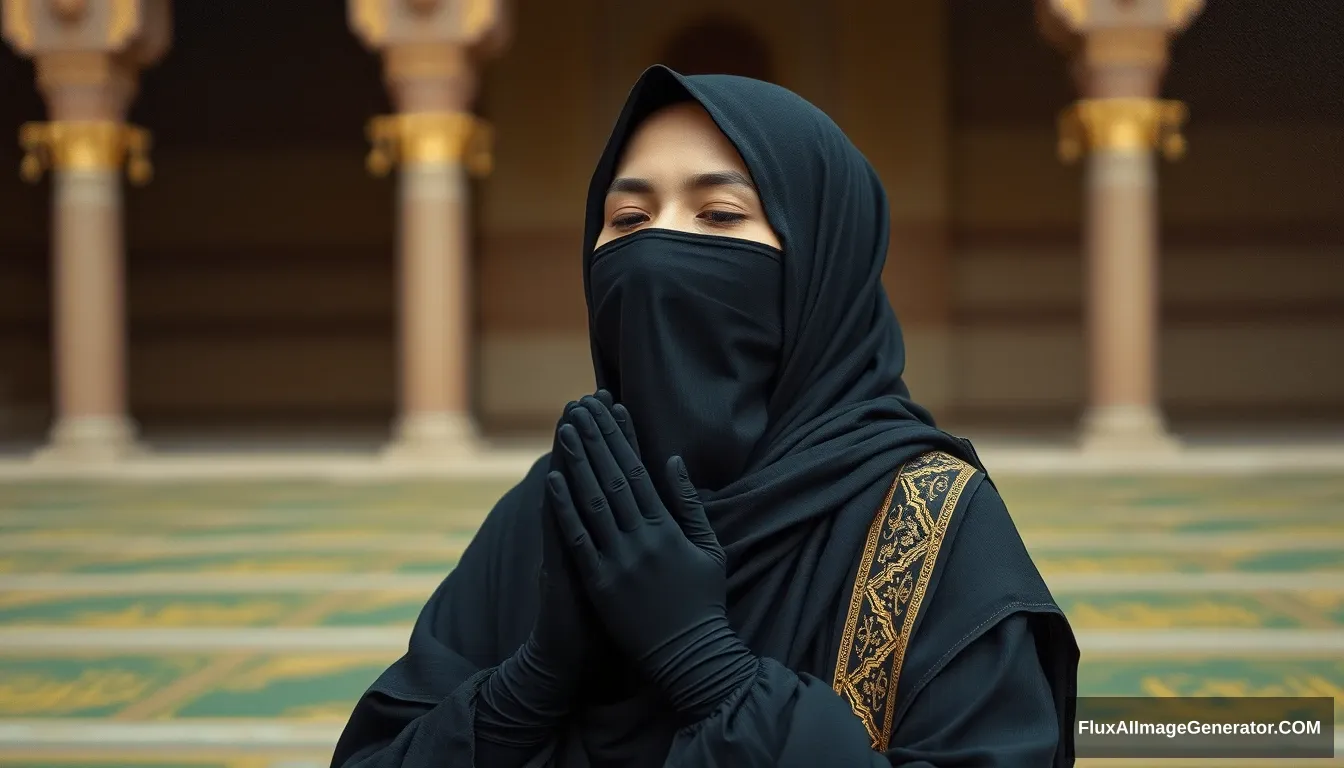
(678, 136)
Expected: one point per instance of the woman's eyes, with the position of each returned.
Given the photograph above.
(723, 218)
(628, 220)
(712, 218)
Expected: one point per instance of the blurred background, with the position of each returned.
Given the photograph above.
(253, 404)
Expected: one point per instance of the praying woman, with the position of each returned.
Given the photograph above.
(750, 547)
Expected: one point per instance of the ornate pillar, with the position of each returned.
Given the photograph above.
(1118, 51)
(431, 50)
(87, 54)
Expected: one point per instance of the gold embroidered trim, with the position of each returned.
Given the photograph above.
(893, 575)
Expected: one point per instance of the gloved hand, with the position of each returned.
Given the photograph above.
(566, 621)
(560, 663)
(655, 572)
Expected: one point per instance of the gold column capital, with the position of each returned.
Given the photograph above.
(1083, 15)
(430, 138)
(1124, 125)
(477, 24)
(85, 145)
(138, 30)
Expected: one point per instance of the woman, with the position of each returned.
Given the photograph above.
(754, 548)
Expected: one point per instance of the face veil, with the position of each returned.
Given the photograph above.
(689, 328)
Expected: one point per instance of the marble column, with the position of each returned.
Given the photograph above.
(85, 147)
(435, 142)
(1121, 244)
(1118, 52)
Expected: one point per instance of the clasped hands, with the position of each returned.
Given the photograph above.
(621, 565)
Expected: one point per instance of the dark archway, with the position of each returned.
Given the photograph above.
(25, 269)
(719, 46)
(260, 261)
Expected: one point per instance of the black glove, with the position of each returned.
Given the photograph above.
(655, 575)
(601, 674)
(534, 689)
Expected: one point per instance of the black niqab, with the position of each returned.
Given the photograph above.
(691, 329)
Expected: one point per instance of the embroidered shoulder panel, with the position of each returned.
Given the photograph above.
(893, 575)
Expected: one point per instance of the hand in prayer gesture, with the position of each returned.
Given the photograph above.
(654, 571)
(564, 632)
(539, 685)
(567, 636)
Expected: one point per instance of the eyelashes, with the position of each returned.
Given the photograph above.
(628, 220)
(723, 218)
(718, 219)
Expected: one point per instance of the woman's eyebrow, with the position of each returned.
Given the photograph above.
(634, 186)
(631, 186)
(720, 179)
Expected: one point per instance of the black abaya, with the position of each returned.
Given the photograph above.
(872, 566)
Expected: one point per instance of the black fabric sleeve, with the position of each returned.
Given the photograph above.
(421, 711)
(992, 706)
(440, 735)
(986, 680)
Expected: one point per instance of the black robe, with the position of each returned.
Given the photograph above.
(872, 565)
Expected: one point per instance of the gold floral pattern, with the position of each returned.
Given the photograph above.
(893, 574)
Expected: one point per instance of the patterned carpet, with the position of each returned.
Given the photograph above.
(234, 624)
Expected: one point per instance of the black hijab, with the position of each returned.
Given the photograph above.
(839, 420)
